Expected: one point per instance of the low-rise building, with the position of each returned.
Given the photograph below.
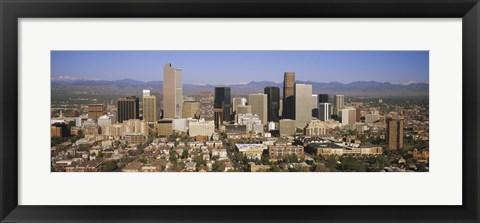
(280, 151)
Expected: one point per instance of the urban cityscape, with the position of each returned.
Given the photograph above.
(290, 124)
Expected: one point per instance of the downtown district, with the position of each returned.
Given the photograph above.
(296, 131)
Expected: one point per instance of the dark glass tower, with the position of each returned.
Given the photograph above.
(223, 100)
(322, 98)
(128, 108)
(273, 103)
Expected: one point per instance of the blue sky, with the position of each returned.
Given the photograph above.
(227, 67)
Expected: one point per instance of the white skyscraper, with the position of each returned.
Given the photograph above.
(238, 101)
(146, 93)
(172, 92)
(324, 111)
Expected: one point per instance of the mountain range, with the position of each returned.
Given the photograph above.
(357, 88)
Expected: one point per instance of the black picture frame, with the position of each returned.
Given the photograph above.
(11, 11)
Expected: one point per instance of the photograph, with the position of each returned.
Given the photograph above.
(239, 111)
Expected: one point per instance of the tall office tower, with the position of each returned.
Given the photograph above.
(218, 117)
(96, 110)
(146, 92)
(348, 116)
(395, 132)
(149, 110)
(358, 114)
(273, 103)
(314, 108)
(128, 108)
(288, 95)
(339, 104)
(280, 108)
(322, 98)
(314, 101)
(238, 101)
(172, 92)
(206, 105)
(303, 104)
(323, 111)
(191, 109)
(223, 100)
(259, 106)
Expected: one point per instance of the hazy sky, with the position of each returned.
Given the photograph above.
(227, 67)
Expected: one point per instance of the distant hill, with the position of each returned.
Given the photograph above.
(358, 88)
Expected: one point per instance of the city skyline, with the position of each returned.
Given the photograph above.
(238, 67)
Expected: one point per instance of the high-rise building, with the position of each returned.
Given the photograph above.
(289, 95)
(358, 114)
(349, 116)
(223, 100)
(273, 103)
(259, 106)
(371, 118)
(287, 127)
(172, 92)
(323, 111)
(395, 132)
(146, 92)
(149, 110)
(191, 109)
(165, 127)
(238, 101)
(96, 110)
(322, 98)
(128, 108)
(244, 109)
(206, 105)
(280, 106)
(339, 104)
(303, 104)
(314, 107)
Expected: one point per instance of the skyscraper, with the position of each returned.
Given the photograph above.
(223, 100)
(273, 103)
(339, 104)
(191, 109)
(349, 116)
(259, 106)
(172, 92)
(149, 110)
(303, 104)
(395, 132)
(96, 110)
(323, 111)
(289, 95)
(238, 101)
(322, 98)
(128, 108)
(146, 92)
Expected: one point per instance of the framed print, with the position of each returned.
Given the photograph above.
(204, 111)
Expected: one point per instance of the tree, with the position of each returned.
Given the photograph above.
(218, 167)
(185, 154)
(265, 159)
(55, 141)
(173, 156)
(350, 164)
(110, 166)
